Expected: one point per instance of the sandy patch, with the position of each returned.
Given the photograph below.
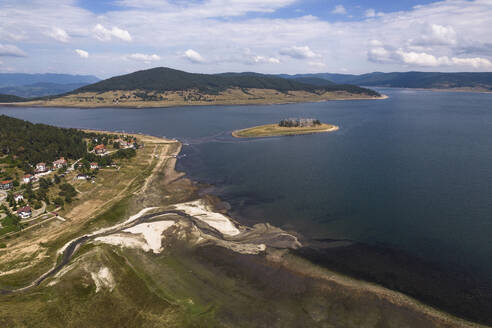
(103, 279)
(152, 232)
(201, 211)
(145, 236)
(126, 241)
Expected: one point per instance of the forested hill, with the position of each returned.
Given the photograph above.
(167, 79)
(34, 143)
(10, 98)
(425, 80)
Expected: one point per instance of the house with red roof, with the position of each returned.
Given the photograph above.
(24, 212)
(6, 184)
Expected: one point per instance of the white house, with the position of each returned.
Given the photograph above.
(82, 177)
(94, 166)
(24, 212)
(27, 178)
(41, 167)
(18, 198)
(6, 185)
(60, 163)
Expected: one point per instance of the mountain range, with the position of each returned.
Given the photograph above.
(40, 85)
(423, 80)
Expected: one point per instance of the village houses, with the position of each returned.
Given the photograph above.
(100, 149)
(18, 197)
(60, 163)
(41, 167)
(24, 212)
(27, 178)
(6, 185)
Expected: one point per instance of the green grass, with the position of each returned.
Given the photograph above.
(271, 130)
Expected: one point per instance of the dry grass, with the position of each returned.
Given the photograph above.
(234, 96)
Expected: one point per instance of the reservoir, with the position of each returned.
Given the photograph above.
(412, 172)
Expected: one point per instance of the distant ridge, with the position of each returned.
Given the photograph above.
(10, 99)
(167, 79)
(40, 85)
(424, 80)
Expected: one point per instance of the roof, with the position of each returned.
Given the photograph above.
(61, 160)
(28, 176)
(44, 164)
(6, 182)
(101, 146)
(24, 209)
(93, 163)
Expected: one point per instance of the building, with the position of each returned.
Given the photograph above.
(100, 149)
(18, 198)
(94, 166)
(27, 178)
(24, 212)
(41, 167)
(60, 163)
(6, 184)
(82, 177)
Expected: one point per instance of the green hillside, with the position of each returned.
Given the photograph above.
(167, 79)
(33, 143)
(10, 98)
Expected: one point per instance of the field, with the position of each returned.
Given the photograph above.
(272, 130)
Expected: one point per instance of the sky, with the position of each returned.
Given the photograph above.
(112, 37)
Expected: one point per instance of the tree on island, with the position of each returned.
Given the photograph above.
(299, 122)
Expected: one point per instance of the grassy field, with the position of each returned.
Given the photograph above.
(233, 96)
(272, 130)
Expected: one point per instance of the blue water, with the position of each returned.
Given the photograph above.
(412, 172)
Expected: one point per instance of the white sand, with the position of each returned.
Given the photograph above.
(103, 279)
(200, 210)
(145, 236)
(127, 241)
(152, 232)
(130, 219)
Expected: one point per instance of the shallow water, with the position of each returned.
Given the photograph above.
(412, 172)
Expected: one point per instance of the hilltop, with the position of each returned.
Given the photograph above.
(422, 80)
(163, 87)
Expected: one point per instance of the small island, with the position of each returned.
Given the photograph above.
(286, 127)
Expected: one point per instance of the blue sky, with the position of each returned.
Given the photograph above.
(271, 36)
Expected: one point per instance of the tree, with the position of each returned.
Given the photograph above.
(58, 201)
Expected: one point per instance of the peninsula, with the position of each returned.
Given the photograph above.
(166, 87)
(288, 127)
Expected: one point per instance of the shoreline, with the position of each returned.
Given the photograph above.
(36, 105)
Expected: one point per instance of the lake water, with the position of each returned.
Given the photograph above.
(412, 172)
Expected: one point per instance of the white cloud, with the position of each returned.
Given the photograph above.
(436, 34)
(429, 60)
(144, 57)
(193, 56)
(82, 53)
(58, 34)
(9, 50)
(452, 29)
(103, 34)
(266, 60)
(370, 13)
(379, 55)
(298, 52)
(317, 64)
(340, 10)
